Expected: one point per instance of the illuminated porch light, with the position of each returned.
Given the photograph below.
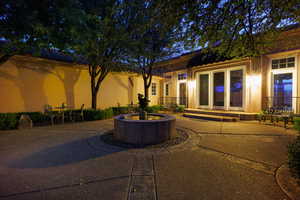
(192, 84)
(253, 81)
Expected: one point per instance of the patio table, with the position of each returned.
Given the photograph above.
(284, 117)
(61, 109)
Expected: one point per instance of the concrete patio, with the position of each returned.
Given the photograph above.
(220, 160)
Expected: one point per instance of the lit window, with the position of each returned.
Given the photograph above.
(283, 63)
(167, 89)
(153, 89)
(182, 76)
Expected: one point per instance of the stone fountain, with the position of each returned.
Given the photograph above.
(144, 128)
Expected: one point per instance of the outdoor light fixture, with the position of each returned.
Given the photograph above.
(192, 84)
(253, 81)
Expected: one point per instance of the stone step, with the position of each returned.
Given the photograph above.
(211, 117)
(235, 114)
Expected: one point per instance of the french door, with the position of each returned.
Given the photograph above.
(236, 88)
(204, 94)
(221, 89)
(283, 90)
(182, 93)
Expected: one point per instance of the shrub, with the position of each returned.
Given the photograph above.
(153, 109)
(179, 108)
(294, 157)
(297, 123)
(120, 110)
(108, 113)
(8, 121)
(91, 114)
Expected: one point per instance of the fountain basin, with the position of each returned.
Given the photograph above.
(129, 129)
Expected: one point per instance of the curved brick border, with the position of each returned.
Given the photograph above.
(287, 183)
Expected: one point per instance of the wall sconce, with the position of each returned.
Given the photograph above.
(253, 81)
(192, 84)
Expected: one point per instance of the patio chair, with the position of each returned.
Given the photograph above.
(67, 112)
(48, 111)
(285, 115)
(267, 114)
(78, 115)
(276, 114)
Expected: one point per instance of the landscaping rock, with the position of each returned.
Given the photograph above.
(25, 122)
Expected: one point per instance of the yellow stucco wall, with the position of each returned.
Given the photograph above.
(27, 84)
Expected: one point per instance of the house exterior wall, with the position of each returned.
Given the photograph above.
(258, 82)
(27, 84)
(269, 73)
(258, 75)
(252, 82)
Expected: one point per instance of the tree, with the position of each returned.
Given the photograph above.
(98, 35)
(153, 38)
(235, 27)
(28, 26)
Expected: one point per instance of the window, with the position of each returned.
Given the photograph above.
(283, 63)
(182, 76)
(167, 90)
(153, 89)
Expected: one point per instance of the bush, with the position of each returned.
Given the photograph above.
(294, 157)
(8, 121)
(120, 110)
(179, 108)
(108, 113)
(154, 109)
(297, 123)
(91, 114)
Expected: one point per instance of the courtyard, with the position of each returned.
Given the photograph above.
(219, 160)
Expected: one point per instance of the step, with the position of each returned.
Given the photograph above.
(236, 114)
(211, 117)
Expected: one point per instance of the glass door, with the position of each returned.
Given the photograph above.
(204, 90)
(182, 93)
(236, 88)
(283, 90)
(219, 89)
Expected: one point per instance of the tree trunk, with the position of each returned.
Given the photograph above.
(146, 89)
(93, 88)
(97, 76)
(94, 99)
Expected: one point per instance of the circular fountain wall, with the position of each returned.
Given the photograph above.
(129, 129)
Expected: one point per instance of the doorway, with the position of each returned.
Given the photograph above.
(182, 93)
(283, 90)
(219, 89)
